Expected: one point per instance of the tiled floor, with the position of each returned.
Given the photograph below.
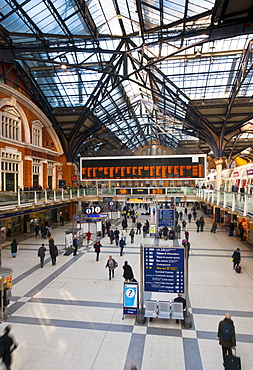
(69, 316)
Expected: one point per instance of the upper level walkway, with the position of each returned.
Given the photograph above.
(232, 201)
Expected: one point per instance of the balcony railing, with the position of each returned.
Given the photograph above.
(242, 203)
(236, 202)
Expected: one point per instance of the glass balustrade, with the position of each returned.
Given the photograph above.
(231, 200)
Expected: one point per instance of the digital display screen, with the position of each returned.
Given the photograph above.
(138, 167)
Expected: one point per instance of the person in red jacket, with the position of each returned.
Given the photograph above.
(88, 236)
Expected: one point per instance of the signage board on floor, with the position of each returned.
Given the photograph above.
(164, 270)
(130, 298)
(152, 230)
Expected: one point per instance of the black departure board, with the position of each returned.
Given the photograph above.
(138, 167)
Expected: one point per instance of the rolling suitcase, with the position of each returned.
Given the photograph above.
(238, 269)
(232, 362)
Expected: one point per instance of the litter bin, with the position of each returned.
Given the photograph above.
(5, 291)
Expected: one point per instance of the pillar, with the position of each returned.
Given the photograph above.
(218, 162)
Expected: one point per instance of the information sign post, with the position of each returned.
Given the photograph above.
(164, 270)
(130, 299)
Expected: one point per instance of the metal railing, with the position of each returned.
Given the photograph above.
(236, 202)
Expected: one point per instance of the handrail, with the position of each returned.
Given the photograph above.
(242, 203)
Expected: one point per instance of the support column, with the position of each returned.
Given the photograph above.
(218, 162)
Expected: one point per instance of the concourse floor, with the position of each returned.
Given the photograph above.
(69, 316)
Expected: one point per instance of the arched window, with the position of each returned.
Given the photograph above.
(159, 151)
(153, 149)
(10, 124)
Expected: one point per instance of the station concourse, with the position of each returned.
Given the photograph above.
(69, 316)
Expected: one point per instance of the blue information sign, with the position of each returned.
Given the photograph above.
(130, 304)
(164, 270)
(166, 217)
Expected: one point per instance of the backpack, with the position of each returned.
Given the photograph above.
(227, 332)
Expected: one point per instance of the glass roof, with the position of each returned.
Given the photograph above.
(126, 61)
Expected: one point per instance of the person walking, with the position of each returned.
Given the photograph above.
(116, 236)
(214, 227)
(41, 254)
(128, 272)
(202, 223)
(147, 227)
(178, 231)
(144, 230)
(138, 227)
(226, 336)
(75, 245)
(186, 234)
(103, 229)
(132, 233)
(53, 250)
(97, 247)
(198, 224)
(110, 234)
(111, 264)
(241, 231)
(88, 236)
(43, 231)
(8, 344)
(124, 234)
(14, 248)
(36, 229)
(189, 217)
(62, 220)
(122, 245)
(236, 258)
(184, 223)
(165, 233)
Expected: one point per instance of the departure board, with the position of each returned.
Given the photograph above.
(143, 167)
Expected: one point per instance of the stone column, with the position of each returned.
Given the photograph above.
(218, 162)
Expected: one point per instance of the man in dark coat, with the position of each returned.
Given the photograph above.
(9, 346)
(53, 252)
(128, 272)
(75, 245)
(138, 227)
(179, 299)
(122, 245)
(236, 257)
(97, 247)
(226, 336)
(116, 236)
(41, 254)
